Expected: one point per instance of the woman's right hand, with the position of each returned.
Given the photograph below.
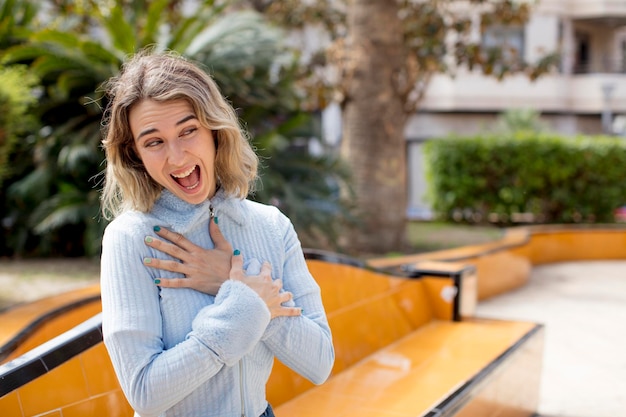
(205, 270)
(268, 289)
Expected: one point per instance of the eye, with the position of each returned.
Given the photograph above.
(151, 143)
(189, 131)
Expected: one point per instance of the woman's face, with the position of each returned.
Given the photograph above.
(177, 151)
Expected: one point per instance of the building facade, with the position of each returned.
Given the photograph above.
(586, 95)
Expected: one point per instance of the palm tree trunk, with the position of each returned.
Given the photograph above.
(373, 129)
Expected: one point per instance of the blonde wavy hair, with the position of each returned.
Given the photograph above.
(164, 77)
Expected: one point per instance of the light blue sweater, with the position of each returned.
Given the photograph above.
(180, 352)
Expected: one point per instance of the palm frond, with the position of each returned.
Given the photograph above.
(244, 53)
(120, 33)
(153, 22)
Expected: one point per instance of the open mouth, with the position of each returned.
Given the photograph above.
(189, 179)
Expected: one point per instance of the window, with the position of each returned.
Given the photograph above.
(509, 38)
(582, 60)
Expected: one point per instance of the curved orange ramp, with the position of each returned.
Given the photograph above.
(378, 321)
(70, 376)
(28, 325)
(505, 264)
(407, 331)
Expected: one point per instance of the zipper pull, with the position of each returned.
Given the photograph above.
(211, 211)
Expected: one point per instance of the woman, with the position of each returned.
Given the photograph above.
(191, 325)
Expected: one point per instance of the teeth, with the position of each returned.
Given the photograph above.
(184, 174)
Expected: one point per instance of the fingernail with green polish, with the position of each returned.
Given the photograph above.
(157, 281)
(148, 239)
(147, 260)
(215, 219)
(156, 228)
(236, 252)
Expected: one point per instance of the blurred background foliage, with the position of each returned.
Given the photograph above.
(55, 54)
(50, 196)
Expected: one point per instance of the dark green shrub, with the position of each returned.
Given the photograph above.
(526, 177)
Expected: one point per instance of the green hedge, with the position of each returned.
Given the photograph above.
(526, 177)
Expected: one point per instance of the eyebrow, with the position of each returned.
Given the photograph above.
(152, 130)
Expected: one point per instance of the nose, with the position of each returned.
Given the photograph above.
(176, 153)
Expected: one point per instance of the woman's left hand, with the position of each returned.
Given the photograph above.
(268, 289)
(205, 269)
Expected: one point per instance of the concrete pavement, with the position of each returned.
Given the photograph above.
(583, 306)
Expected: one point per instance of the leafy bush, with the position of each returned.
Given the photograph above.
(16, 123)
(526, 177)
(16, 99)
(53, 207)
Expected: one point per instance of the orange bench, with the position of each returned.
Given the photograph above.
(408, 347)
(405, 346)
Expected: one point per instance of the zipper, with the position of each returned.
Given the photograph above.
(243, 402)
(241, 385)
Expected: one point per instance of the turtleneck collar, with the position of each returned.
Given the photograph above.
(181, 216)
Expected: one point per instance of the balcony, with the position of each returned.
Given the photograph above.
(577, 93)
(604, 66)
(605, 10)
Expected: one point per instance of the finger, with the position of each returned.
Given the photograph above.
(172, 282)
(165, 247)
(285, 296)
(176, 238)
(288, 312)
(277, 284)
(218, 238)
(236, 265)
(171, 266)
(266, 269)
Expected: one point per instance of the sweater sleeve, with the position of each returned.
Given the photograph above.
(154, 378)
(302, 343)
